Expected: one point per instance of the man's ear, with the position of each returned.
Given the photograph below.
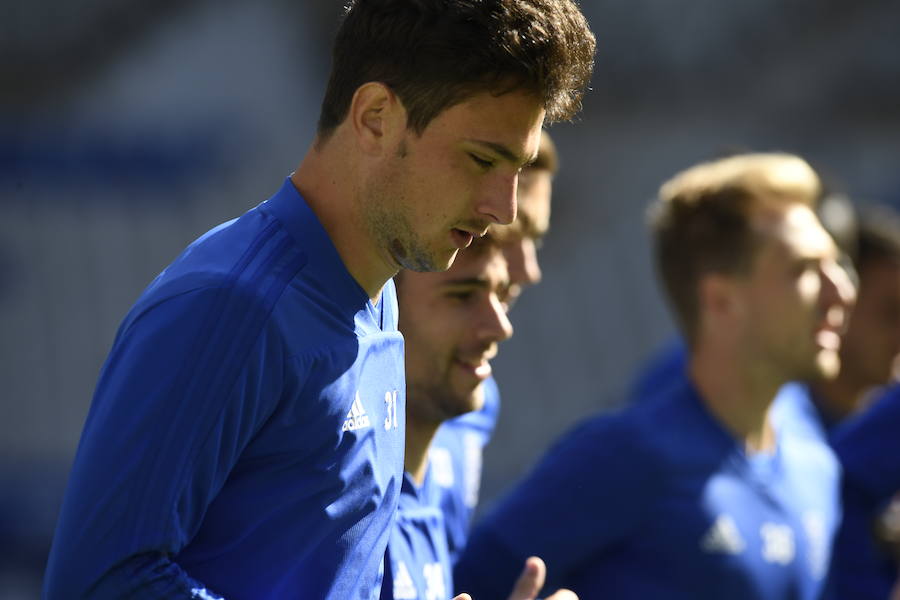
(377, 117)
(718, 297)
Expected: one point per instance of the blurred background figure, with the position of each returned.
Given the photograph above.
(522, 239)
(127, 127)
(870, 347)
(867, 550)
(868, 547)
(706, 488)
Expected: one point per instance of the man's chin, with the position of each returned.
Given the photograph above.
(472, 402)
(417, 258)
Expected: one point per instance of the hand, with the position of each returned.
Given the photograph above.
(531, 581)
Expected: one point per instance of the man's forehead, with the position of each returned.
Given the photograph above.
(519, 158)
(487, 265)
(508, 125)
(798, 227)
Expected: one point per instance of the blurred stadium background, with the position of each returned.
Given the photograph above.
(128, 128)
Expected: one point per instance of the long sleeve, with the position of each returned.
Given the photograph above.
(587, 492)
(182, 392)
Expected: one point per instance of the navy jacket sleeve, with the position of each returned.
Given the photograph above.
(590, 490)
(184, 389)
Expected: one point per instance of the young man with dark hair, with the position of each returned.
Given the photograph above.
(703, 490)
(246, 435)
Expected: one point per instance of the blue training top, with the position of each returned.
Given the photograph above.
(433, 520)
(246, 434)
(868, 446)
(417, 564)
(660, 501)
(455, 460)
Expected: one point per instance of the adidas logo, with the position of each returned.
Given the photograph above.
(723, 537)
(357, 417)
(403, 584)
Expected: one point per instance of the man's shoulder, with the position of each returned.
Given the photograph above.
(623, 436)
(673, 428)
(243, 258)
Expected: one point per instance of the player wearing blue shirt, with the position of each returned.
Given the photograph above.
(417, 563)
(236, 342)
(701, 491)
(246, 434)
(453, 322)
(870, 347)
(863, 567)
(455, 459)
(868, 446)
(703, 519)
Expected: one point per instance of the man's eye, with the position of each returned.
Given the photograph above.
(461, 296)
(481, 162)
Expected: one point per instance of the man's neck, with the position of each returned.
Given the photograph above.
(738, 397)
(326, 179)
(419, 435)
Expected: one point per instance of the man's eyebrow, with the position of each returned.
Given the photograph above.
(507, 154)
(467, 282)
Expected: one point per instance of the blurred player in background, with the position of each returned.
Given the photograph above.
(246, 435)
(701, 491)
(870, 346)
(865, 561)
(452, 323)
(866, 553)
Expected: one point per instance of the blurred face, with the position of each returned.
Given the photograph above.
(796, 297)
(871, 344)
(438, 190)
(451, 323)
(521, 242)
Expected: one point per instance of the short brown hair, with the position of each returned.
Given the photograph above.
(436, 53)
(701, 222)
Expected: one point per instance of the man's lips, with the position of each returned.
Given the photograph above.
(461, 239)
(479, 368)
